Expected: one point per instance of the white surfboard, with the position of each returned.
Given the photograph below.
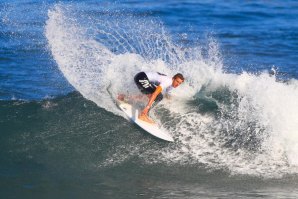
(153, 129)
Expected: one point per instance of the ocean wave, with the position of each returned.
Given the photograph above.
(244, 123)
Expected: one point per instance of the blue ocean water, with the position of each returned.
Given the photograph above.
(234, 121)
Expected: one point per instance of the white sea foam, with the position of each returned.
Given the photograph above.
(254, 129)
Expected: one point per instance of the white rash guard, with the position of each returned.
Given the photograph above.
(161, 80)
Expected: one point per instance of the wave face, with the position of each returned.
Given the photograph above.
(242, 123)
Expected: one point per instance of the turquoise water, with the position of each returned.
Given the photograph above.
(234, 121)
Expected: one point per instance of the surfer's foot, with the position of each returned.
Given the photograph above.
(121, 97)
(145, 118)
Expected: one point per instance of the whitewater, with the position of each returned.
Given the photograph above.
(251, 127)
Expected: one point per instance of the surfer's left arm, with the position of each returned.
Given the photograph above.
(151, 100)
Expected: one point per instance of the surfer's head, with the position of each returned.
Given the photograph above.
(177, 80)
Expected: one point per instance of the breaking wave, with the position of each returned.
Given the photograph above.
(244, 123)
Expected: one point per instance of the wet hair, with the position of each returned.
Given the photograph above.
(178, 75)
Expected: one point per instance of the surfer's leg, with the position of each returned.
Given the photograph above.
(147, 88)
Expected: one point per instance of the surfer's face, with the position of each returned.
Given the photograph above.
(176, 82)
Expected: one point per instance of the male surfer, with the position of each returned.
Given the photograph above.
(154, 85)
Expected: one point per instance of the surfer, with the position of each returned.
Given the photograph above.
(154, 85)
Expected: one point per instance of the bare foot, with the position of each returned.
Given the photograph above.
(121, 97)
(145, 118)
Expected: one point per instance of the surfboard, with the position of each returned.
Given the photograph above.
(153, 129)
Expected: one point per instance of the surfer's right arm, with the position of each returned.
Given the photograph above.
(151, 100)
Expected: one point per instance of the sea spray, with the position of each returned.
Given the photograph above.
(251, 127)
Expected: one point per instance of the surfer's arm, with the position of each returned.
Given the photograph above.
(151, 100)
